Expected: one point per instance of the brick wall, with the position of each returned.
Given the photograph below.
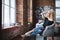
(45, 2)
(30, 10)
(22, 12)
(19, 7)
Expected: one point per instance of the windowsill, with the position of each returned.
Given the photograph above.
(6, 27)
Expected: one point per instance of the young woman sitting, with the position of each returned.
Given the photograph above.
(48, 20)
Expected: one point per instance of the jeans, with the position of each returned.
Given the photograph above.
(37, 29)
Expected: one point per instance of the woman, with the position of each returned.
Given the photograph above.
(48, 20)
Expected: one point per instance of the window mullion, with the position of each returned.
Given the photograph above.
(15, 10)
(10, 12)
(3, 12)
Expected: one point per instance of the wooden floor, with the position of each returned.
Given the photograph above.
(26, 38)
(17, 38)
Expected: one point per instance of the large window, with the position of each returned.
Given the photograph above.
(8, 13)
(57, 5)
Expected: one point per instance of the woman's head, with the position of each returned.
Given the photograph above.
(44, 14)
(48, 14)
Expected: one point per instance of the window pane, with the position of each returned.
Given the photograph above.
(6, 16)
(13, 3)
(58, 15)
(2, 1)
(13, 16)
(7, 2)
(57, 3)
(2, 13)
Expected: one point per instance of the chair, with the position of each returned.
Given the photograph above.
(49, 31)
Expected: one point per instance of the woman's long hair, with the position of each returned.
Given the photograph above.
(51, 14)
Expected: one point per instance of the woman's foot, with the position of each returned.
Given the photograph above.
(22, 35)
(25, 35)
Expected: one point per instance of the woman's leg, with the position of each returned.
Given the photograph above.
(28, 33)
(32, 32)
(37, 31)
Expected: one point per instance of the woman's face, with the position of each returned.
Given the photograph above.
(42, 14)
(43, 17)
(45, 14)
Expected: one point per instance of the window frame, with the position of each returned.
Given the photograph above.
(3, 14)
(55, 11)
